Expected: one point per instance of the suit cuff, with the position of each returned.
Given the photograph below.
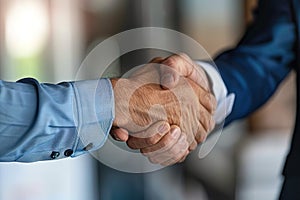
(225, 101)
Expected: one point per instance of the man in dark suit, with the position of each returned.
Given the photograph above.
(252, 71)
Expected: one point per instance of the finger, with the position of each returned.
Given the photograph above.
(180, 145)
(184, 157)
(174, 153)
(201, 134)
(169, 77)
(178, 155)
(176, 159)
(193, 145)
(206, 125)
(150, 136)
(164, 144)
(197, 74)
(170, 72)
(207, 106)
(206, 119)
(206, 98)
(183, 66)
(119, 134)
(156, 60)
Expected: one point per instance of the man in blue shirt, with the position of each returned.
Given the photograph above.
(47, 121)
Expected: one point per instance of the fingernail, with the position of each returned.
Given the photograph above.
(163, 128)
(116, 137)
(167, 79)
(175, 132)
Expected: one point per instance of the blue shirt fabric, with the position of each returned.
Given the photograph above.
(51, 121)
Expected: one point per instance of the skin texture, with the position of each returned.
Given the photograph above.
(166, 121)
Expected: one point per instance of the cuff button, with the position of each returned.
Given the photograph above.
(68, 152)
(54, 154)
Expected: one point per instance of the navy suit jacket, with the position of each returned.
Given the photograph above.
(269, 50)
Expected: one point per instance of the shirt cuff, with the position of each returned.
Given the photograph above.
(93, 113)
(225, 101)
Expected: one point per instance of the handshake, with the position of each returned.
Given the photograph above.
(164, 109)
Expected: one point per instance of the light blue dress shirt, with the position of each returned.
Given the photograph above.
(48, 121)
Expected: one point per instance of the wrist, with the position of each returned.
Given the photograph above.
(114, 83)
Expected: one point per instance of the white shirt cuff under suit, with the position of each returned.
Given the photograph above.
(225, 101)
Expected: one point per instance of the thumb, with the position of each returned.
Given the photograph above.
(169, 77)
(119, 134)
(149, 136)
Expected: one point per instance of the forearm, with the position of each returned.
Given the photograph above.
(262, 59)
(39, 119)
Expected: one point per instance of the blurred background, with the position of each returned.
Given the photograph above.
(48, 39)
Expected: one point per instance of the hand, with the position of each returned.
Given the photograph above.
(166, 146)
(174, 105)
(163, 148)
(182, 65)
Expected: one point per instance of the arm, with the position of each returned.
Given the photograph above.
(47, 121)
(262, 59)
(39, 121)
(253, 70)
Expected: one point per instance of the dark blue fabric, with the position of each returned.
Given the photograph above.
(254, 69)
(292, 165)
(290, 189)
(262, 59)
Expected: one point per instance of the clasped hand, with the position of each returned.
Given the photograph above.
(164, 109)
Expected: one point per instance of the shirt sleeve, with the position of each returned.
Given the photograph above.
(225, 101)
(52, 121)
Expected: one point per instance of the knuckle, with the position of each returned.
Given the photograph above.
(145, 151)
(156, 60)
(209, 123)
(205, 120)
(200, 138)
(131, 143)
(165, 164)
(174, 151)
(193, 146)
(166, 142)
(153, 160)
(152, 140)
(178, 158)
(186, 59)
(185, 145)
(184, 156)
(203, 114)
(183, 55)
(212, 101)
(212, 124)
(171, 61)
(206, 123)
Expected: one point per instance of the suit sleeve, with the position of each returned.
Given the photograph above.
(52, 121)
(262, 59)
